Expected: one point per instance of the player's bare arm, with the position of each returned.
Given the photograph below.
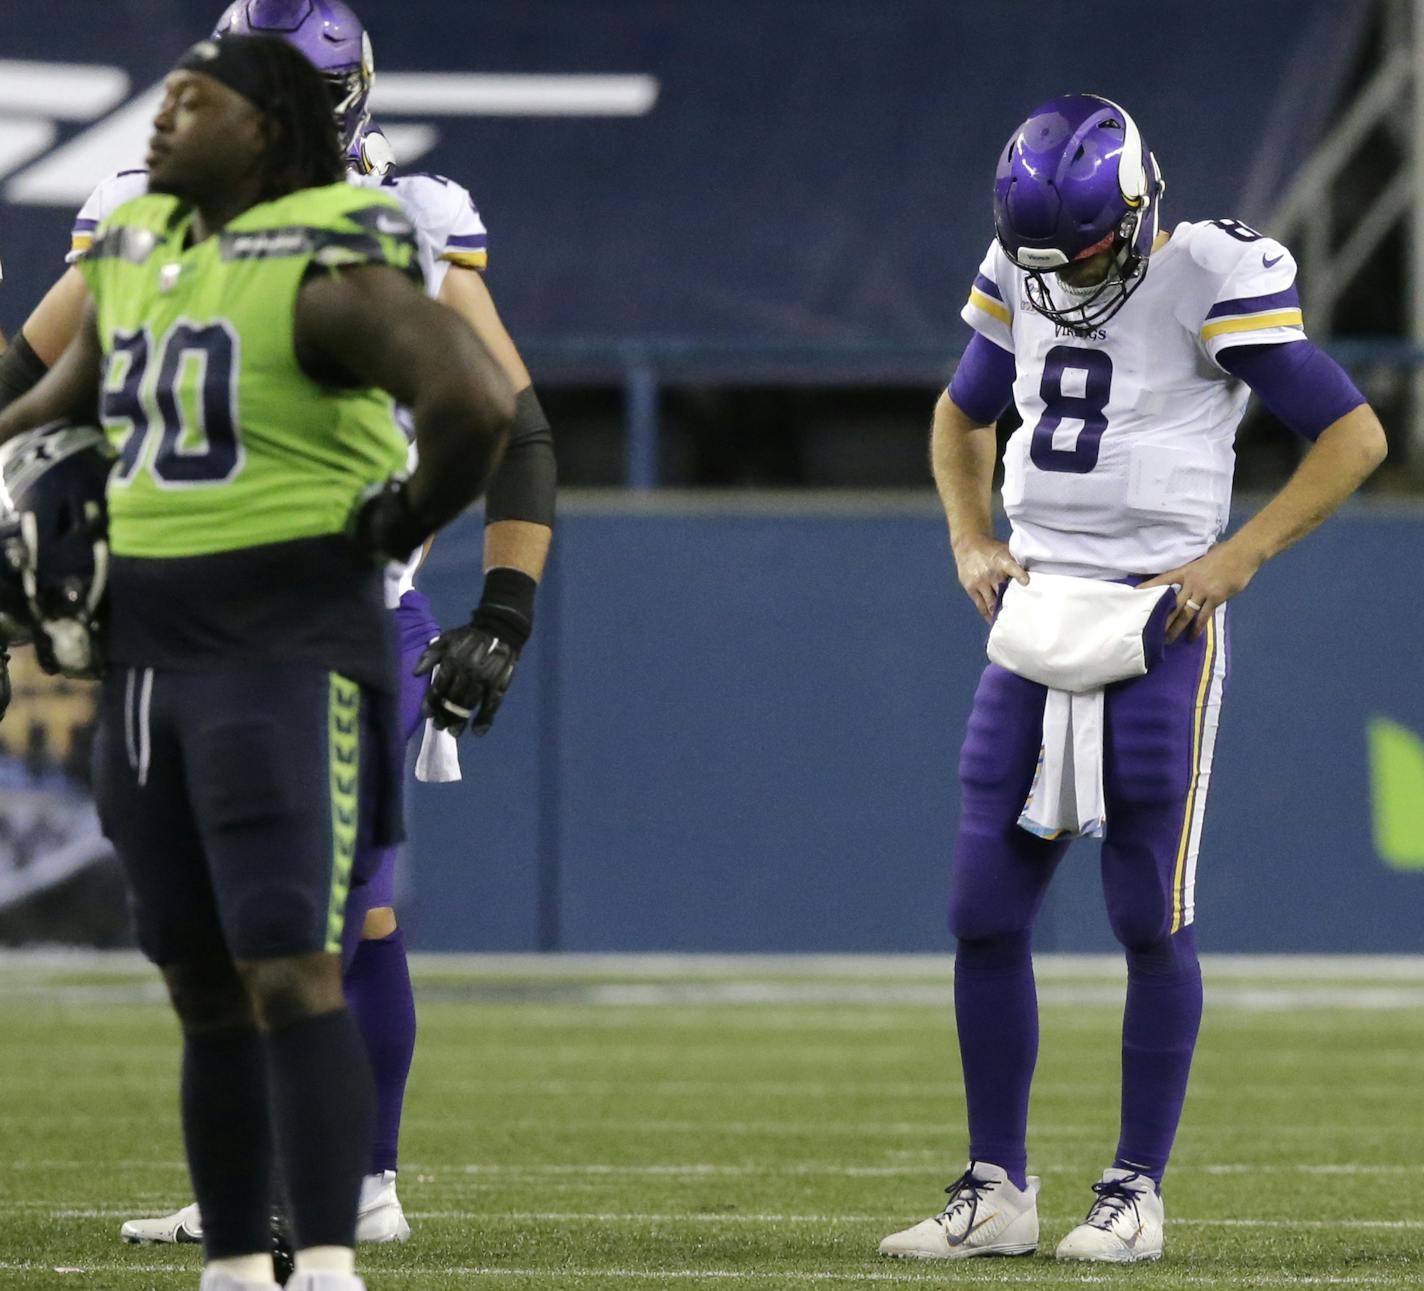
(70, 389)
(471, 667)
(962, 455)
(509, 544)
(465, 291)
(373, 326)
(45, 335)
(1341, 459)
(54, 321)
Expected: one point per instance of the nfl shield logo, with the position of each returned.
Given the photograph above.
(168, 276)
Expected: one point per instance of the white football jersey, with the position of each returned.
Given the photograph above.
(448, 228)
(448, 231)
(1124, 460)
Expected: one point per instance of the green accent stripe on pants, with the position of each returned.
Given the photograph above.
(344, 758)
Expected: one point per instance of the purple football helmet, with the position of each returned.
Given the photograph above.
(332, 38)
(1076, 179)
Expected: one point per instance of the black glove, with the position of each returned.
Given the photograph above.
(5, 693)
(470, 670)
(384, 525)
(471, 667)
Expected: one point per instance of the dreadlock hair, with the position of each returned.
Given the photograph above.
(303, 149)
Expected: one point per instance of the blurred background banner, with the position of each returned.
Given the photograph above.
(733, 173)
(732, 240)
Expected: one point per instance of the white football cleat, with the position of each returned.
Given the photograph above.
(221, 1280)
(379, 1217)
(985, 1215)
(325, 1282)
(184, 1225)
(1124, 1224)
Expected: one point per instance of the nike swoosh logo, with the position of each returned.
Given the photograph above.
(970, 1231)
(1268, 261)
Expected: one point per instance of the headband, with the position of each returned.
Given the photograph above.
(236, 61)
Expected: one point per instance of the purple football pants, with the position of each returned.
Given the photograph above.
(1160, 732)
(376, 975)
(415, 629)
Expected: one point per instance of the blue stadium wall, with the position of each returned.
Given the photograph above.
(737, 730)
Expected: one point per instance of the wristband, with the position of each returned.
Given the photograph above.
(506, 608)
(21, 369)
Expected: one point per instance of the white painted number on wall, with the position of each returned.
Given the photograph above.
(35, 98)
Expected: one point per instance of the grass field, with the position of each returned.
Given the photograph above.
(684, 1123)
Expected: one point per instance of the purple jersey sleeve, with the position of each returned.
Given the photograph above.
(1303, 386)
(983, 384)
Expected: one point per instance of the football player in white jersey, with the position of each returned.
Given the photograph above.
(465, 671)
(1131, 385)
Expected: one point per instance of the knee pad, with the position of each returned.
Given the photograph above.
(975, 919)
(1006, 950)
(1140, 928)
(275, 920)
(1167, 957)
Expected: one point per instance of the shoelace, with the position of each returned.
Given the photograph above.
(1114, 1198)
(967, 1190)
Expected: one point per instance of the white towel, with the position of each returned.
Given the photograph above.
(1074, 633)
(1067, 792)
(439, 759)
(1075, 636)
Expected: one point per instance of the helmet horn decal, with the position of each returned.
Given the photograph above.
(1131, 175)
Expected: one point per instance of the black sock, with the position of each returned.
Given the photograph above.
(229, 1139)
(324, 1106)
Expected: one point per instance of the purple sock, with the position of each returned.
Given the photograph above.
(1159, 1033)
(996, 1009)
(379, 996)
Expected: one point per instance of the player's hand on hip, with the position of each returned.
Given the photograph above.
(383, 524)
(1205, 584)
(470, 670)
(985, 565)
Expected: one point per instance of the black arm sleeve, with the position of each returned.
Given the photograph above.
(21, 369)
(523, 487)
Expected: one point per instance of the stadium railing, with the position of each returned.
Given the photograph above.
(641, 367)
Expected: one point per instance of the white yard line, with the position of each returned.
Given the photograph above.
(571, 993)
(1221, 997)
(1050, 967)
(740, 1217)
(564, 1274)
(449, 1177)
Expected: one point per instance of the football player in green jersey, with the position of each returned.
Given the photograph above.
(249, 322)
(464, 670)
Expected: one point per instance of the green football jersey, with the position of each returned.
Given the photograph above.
(223, 441)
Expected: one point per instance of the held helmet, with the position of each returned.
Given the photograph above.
(1076, 179)
(332, 38)
(54, 549)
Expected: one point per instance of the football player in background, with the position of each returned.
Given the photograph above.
(1131, 387)
(6, 691)
(472, 665)
(247, 738)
